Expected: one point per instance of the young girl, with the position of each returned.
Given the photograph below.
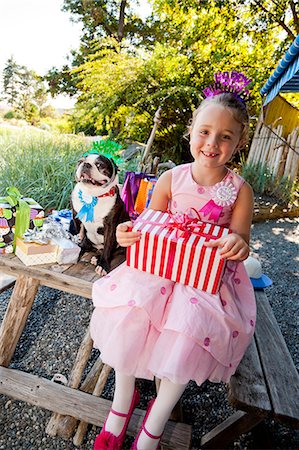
(146, 326)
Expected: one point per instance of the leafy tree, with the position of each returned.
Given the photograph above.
(24, 90)
(284, 13)
(11, 80)
(101, 19)
(121, 90)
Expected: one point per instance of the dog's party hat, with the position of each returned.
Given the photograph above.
(109, 149)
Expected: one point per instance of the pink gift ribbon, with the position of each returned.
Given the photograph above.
(212, 209)
(183, 224)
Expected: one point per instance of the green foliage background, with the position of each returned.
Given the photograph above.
(128, 65)
(122, 83)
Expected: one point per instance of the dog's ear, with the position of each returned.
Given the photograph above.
(114, 165)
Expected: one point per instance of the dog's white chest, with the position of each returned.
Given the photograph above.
(92, 212)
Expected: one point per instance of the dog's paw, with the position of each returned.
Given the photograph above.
(94, 261)
(100, 271)
(77, 239)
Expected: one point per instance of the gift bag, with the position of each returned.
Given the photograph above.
(144, 194)
(135, 192)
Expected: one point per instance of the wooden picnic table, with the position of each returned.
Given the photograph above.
(266, 383)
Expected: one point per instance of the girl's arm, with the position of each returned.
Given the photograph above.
(159, 201)
(235, 246)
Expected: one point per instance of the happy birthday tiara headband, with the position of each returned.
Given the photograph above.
(229, 82)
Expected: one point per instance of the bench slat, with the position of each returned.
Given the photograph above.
(230, 429)
(247, 388)
(89, 408)
(278, 366)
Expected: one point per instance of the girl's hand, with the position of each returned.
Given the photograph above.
(233, 247)
(124, 237)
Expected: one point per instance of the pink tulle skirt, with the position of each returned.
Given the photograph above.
(147, 326)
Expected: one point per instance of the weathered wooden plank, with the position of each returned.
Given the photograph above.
(89, 408)
(278, 366)
(66, 425)
(57, 421)
(6, 281)
(16, 315)
(230, 429)
(47, 276)
(82, 270)
(247, 387)
(82, 427)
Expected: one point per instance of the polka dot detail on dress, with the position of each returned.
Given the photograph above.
(174, 204)
(131, 302)
(112, 287)
(252, 323)
(237, 280)
(193, 300)
(206, 341)
(235, 334)
(224, 302)
(201, 190)
(163, 290)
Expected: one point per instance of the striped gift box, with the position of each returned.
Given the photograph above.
(177, 255)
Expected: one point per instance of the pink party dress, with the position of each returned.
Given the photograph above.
(147, 326)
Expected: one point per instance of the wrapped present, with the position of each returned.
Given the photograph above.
(52, 239)
(16, 215)
(7, 221)
(63, 217)
(173, 247)
(67, 251)
(32, 253)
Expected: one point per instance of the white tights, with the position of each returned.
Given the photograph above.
(168, 395)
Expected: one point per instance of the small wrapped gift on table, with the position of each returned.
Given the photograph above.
(172, 247)
(67, 250)
(64, 217)
(32, 253)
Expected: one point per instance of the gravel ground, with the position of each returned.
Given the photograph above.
(57, 324)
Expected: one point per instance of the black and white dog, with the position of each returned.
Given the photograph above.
(98, 209)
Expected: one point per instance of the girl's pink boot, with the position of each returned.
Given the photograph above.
(134, 445)
(106, 440)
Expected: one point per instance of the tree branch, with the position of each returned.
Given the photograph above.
(279, 21)
(121, 22)
(295, 16)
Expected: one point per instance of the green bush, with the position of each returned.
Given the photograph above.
(9, 115)
(262, 181)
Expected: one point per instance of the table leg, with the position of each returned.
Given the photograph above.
(15, 316)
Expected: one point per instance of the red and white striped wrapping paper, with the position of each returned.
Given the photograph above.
(161, 251)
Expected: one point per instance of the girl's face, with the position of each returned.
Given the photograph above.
(214, 136)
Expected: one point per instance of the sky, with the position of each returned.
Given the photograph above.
(38, 35)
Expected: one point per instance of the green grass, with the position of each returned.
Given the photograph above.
(40, 165)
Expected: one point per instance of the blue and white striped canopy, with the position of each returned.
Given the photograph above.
(285, 77)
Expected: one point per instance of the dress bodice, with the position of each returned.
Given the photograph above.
(213, 203)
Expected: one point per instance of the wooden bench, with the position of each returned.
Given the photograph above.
(265, 384)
